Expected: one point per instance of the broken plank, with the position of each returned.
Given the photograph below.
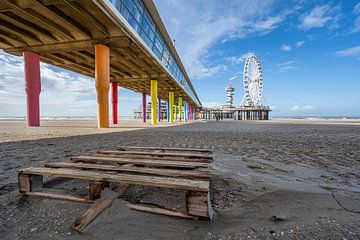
(93, 211)
(158, 210)
(158, 163)
(175, 183)
(190, 174)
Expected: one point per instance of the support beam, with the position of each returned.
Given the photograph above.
(114, 88)
(102, 76)
(144, 107)
(32, 88)
(195, 113)
(180, 103)
(154, 89)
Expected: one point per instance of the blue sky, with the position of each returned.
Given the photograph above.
(309, 51)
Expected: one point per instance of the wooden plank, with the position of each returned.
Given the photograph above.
(24, 183)
(93, 211)
(198, 204)
(161, 211)
(58, 196)
(165, 154)
(190, 174)
(165, 149)
(94, 190)
(158, 163)
(152, 157)
(175, 183)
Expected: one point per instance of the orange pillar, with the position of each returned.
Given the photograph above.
(102, 78)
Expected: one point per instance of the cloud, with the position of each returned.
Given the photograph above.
(63, 93)
(297, 108)
(219, 22)
(356, 27)
(286, 48)
(240, 59)
(349, 52)
(319, 17)
(357, 8)
(212, 104)
(299, 43)
(286, 66)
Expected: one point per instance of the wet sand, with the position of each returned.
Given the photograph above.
(272, 180)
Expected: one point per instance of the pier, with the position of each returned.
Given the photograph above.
(119, 43)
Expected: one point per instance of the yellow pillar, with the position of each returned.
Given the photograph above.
(171, 107)
(180, 103)
(102, 79)
(153, 90)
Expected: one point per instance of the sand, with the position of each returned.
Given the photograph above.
(272, 180)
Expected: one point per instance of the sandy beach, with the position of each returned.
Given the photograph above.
(285, 179)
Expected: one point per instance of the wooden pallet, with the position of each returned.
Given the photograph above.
(174, 168)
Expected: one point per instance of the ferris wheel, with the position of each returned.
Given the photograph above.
(253, 81)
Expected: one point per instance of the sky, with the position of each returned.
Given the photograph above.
(309, 53)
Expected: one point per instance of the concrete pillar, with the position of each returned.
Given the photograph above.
(144, 107)
(180, 108)
(114, 98)
(159, 109)
(102, 76)
(171, 107)
(32, 88)
(154, 88)
(185, 111)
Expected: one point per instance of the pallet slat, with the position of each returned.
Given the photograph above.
(164, 154)
(158, 163)
(150, 157)
(124, 148)
(157, 210)
(190, 174)
(176, 183)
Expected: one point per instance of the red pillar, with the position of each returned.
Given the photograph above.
(32, 88)
(144, 106)
(114, 91)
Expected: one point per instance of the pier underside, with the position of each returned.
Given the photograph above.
(65, 32)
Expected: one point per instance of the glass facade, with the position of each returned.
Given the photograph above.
(138, 17)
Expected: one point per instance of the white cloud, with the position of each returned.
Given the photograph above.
(349, 52)
(357, 8)
(212, 104)
(356, 27)
(319, 17)
(286, 48)
(63, 93)
(305, 108)
(200, 25)
(286, 66)
(297, 108)
(238, 60)
(299, 43)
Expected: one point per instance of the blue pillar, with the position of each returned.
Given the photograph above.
(194, 113)
(167, 111)
(185, 108)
